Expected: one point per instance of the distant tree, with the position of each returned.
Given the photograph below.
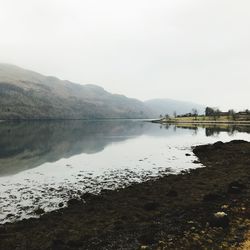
(166, 116)
(216, 114)
(209, 111)
(161, 116)
(232, 114)
(212, 112)
(195, 113)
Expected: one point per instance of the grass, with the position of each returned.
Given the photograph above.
(207, 119)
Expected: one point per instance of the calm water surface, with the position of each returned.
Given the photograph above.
(43, 164)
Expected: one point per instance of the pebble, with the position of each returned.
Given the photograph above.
(219, 219)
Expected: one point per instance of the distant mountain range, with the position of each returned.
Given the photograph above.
(26, 94)
(29, 95)
(169, 106)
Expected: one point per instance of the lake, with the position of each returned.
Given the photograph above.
(44, 164)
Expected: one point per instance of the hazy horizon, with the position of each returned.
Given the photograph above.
(194, 51)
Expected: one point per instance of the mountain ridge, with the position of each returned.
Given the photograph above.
(26, 94)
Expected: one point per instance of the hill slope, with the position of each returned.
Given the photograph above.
(169, 106)
(25, 94)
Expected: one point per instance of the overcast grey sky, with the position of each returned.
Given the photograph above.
(195, 50)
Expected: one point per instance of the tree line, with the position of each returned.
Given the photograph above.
(211, 112)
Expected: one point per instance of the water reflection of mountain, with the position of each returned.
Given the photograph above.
(26, 145)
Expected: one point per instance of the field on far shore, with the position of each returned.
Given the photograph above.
(206, 119)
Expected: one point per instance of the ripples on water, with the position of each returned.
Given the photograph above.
(43, 164)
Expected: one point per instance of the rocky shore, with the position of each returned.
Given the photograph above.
(205, 208)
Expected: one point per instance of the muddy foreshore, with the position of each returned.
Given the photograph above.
(173, 212)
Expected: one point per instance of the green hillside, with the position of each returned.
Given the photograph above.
(28, 95)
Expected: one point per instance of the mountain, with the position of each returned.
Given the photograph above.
(26, 94)
(169, 106)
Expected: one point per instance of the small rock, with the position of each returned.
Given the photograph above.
(60, 204)
(145, 248)
(187, 154)
(209, 241)
(161, 243)
(242, 227)
(224, 206)
(219, 219)
(220, 214)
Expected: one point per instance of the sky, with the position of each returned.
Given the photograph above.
(192, 50)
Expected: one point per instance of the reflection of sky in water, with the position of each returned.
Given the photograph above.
(91, 157)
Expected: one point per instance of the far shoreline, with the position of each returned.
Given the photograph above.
(172, 122)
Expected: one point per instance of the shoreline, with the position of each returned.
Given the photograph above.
(202, 122)
(172, 212)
